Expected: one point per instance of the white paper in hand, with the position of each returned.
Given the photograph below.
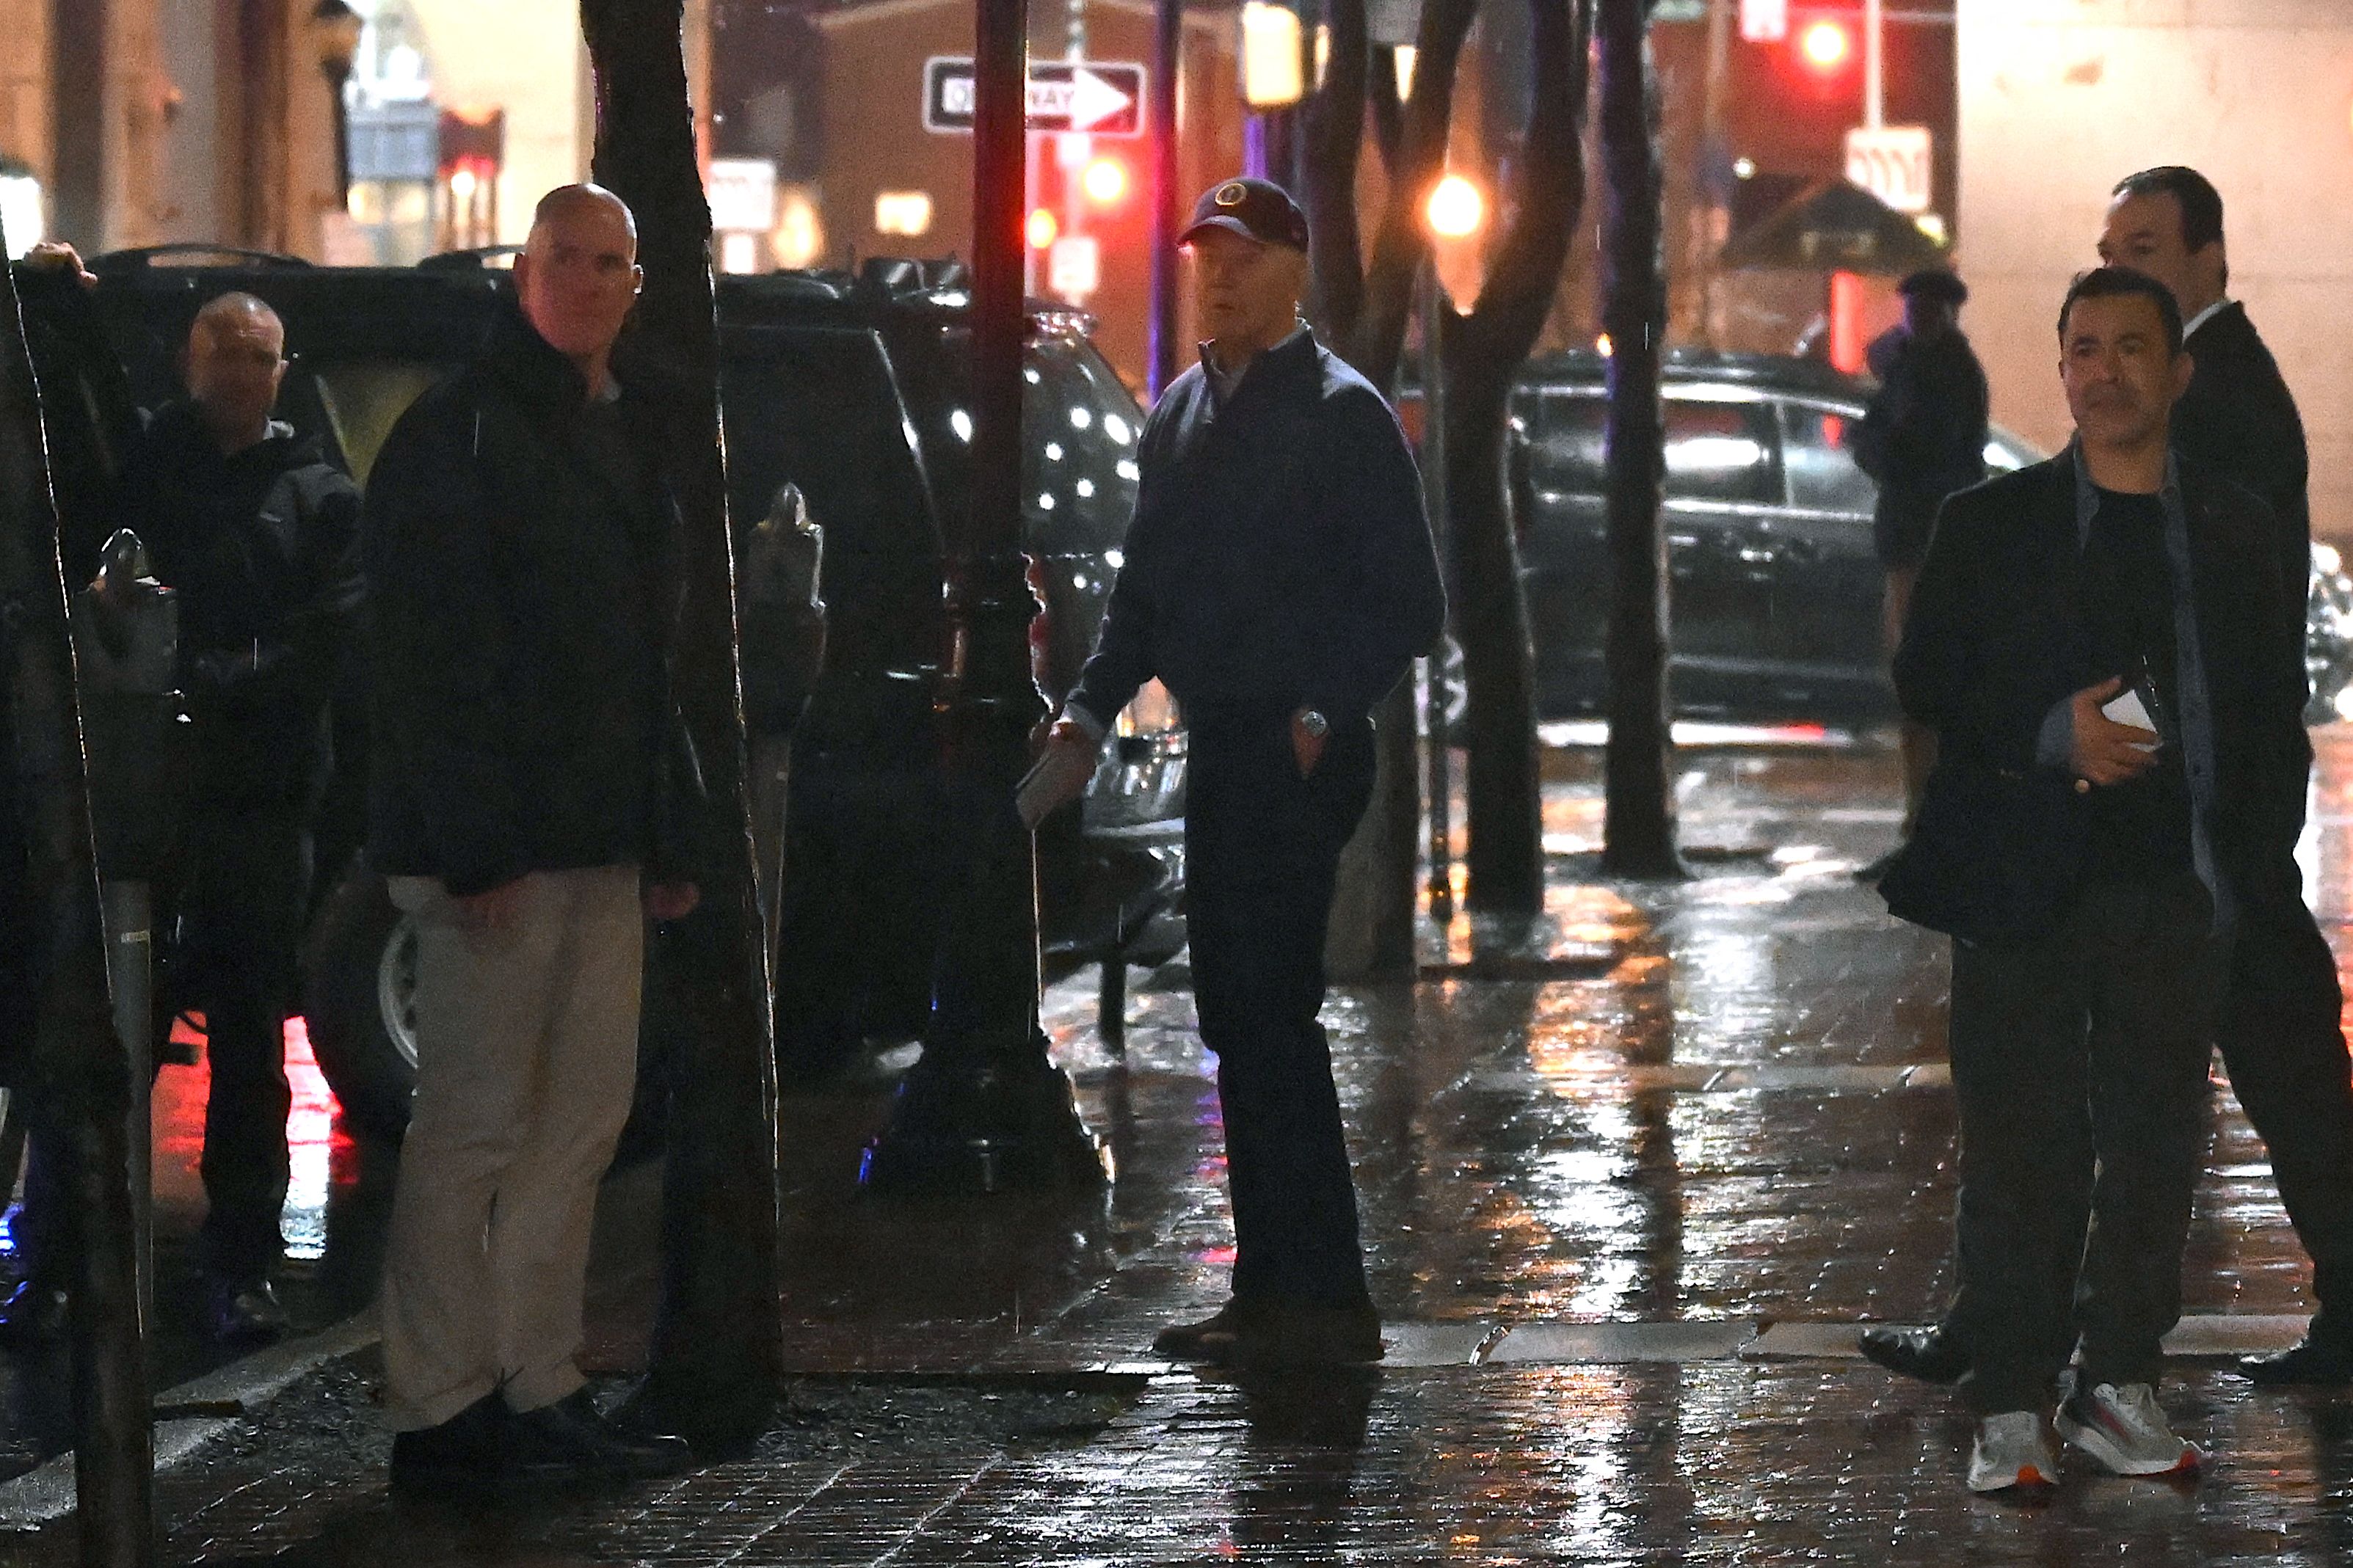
(2131, 710)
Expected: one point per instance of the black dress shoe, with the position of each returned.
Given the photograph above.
(247, 1312)
(465, 1453)
(572, 1440)
(1930, 1355)
(2308, 1361)
(1209, 1339)
(33, 1313)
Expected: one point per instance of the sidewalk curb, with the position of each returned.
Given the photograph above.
(189, 1416)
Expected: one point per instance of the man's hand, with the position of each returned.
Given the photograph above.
(491, 911)
(2105, 751)
(1306, 750)
(671, 900)
(1061, 776)
(56, 255)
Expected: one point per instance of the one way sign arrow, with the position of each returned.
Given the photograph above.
(1102, 98)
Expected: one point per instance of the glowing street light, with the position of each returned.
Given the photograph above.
(1455, 209)
(1106, 182)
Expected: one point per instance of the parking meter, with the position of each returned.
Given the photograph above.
(135, 727)
(783, 653)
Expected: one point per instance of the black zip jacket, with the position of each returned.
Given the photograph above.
(523, 572)
(263, 548)
(1994, 640)
(1279, 558)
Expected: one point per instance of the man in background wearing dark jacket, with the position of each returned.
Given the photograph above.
(1922, 439)
(527, 799)
(2280, 1029)
(1280, 578)
(258, 534)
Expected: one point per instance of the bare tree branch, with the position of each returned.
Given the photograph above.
(1547, 190)
(1402, 242)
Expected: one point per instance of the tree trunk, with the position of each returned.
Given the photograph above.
(78, 1077)
(1483, 353)
(718, 1340)
(1639, 826)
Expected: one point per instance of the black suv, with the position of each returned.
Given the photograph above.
(1775, 589)
(848, 388)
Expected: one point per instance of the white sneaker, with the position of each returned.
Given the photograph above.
(2124, 1429)
(2013, 1449)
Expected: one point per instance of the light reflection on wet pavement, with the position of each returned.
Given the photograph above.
(1694, 1113)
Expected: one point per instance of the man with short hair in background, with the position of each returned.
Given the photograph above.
(2281, 1029)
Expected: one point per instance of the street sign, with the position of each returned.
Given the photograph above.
(1075, 266)
(743, 194)
(1893, 163)
(1099, 98)
(1764, 21)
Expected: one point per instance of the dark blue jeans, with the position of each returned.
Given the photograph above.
(1263, 849)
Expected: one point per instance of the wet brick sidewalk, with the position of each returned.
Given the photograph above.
(1646, 1164)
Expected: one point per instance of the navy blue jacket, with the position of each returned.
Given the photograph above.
(1279, 558)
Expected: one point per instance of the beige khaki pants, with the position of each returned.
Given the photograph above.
(527, 1051)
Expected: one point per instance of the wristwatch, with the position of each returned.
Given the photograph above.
(1315, 725)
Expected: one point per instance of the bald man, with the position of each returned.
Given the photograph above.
(530, 798)
(259, 533)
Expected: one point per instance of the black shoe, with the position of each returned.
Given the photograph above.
(1210, 1339)
(571, 1440)
(465, 1453)
(1307, 1333)
(1930, 1355)
(2308, 1361)
(247, 1312)
(33, 1313)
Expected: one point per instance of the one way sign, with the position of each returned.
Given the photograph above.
(1102, 98)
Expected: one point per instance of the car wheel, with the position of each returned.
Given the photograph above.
(359, 996)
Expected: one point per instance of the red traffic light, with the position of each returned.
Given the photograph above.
(1106, 182)
(1826, 46)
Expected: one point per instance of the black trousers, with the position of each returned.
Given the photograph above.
(240, 912)
(1261, 852)
(2284, 1042)
(2079, 1064)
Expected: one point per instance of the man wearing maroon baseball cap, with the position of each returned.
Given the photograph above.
(1280, 579)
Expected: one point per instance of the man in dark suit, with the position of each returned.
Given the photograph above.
(2118, 697)
(2280, 1026)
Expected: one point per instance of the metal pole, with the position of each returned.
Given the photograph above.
(1434, 493)
(1874, 35)
(130, 981)
(1716, 164)
(1168, 48)
(985, 1108)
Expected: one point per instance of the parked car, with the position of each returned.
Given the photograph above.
(1776, 592)
(845, 386)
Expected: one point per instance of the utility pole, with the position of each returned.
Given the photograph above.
(985, 1108)
(1168, 59)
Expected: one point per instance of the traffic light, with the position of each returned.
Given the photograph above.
(1106, 182)
(1826, 46)
(1042, 229)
